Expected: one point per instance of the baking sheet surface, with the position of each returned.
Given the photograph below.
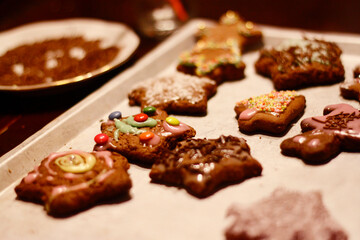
(155, 211)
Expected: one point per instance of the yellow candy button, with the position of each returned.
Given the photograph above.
(172, 121)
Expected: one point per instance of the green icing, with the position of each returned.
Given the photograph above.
(126, 128)
(150, 122)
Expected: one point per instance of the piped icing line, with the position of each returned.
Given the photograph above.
(63, 188)
(247, 113)
(106, 155)
(149, 122)
(179, 129)
(79, 162)
(275, 102)
(32, 175)
(125, 128)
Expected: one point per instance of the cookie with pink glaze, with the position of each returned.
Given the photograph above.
(270, 113)
(68, 182)
(202, 166)
(143, 137)
(284, 215)
(325, 136)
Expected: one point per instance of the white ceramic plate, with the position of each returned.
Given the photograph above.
(110, 34)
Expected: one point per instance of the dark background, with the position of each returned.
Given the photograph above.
(324, 15)
(23, 115)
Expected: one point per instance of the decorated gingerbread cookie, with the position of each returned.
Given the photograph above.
(302, 63)
(325, 136)
(143, 137)
(232, 27)
(284, 215)
(218, 61)
(176, 93)
(270, 113)
(203, 165)
(67, 182)
(351, 89)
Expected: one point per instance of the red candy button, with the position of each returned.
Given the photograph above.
(141, 117)
(101, 138)
(146, 136)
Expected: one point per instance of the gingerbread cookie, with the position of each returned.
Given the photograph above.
(234, 28)
(271, 113)
(143, 137)
(218, 61)
(176, 93)
(284, 215)
(351, 90)
(301, 63)
(68, 182)
(203, 165)
(325, 136)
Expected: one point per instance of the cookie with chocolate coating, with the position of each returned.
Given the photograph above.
(68, 182)
(302, 63)
(175, 93)
(202, 166)
(326, 136)
(143, 137)
(269, 113)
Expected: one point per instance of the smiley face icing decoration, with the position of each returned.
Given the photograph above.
(68, 182)
(143, 137)
(326, 136)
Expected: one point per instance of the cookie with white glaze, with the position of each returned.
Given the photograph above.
(284, 215)
(301, 63)
(202, 166)
(175, 93)
(68, 182)
(325, 136)
(269, 113)
(143, 137)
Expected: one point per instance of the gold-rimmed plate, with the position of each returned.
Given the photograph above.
(109, 34)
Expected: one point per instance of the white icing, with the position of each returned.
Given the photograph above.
(174, 87)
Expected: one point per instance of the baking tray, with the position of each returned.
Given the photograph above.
(155, 211)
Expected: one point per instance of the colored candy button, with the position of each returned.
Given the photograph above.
(101, 138)
(114, 115)
(141, 117)
(149, 110)
(145, 136)
(172, 121)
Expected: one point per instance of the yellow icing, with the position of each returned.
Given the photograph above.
(75, 163)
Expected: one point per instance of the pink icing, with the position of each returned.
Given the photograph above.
(106, 155)
(182, 127)
(154, 141)
(32, 176)
(62, 188)
(103, 176)
(318, 122)
(248, 114)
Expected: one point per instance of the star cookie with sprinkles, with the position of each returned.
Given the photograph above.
(143, 137)
(351, 90)
(202, 166)
(270, 113)
(217, 61)
(176, 93)
(326, 136)
(71, 181)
